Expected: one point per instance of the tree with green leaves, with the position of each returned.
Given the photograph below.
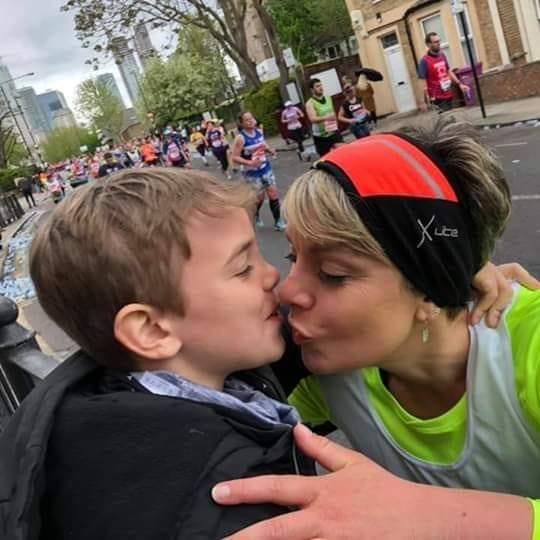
(308, 25)
(101, 107)
(98, 21)
(11, 151)
(193, 80)
(64, 143)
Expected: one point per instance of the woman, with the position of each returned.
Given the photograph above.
(250, 149)
(353, 113)
(291, 117)
(386, 235)
(217, 143)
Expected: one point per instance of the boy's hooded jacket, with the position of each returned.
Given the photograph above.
(91, 454)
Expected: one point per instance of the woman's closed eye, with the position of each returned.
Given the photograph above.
(333, 279)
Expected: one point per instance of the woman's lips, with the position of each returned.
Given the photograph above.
(299, 337)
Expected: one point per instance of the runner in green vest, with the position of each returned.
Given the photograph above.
(322, 116)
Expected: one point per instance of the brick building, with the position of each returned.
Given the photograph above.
(505, 38)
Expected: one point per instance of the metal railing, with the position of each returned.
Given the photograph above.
(10, 209)
(22, 363)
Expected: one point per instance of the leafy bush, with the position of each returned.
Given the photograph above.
(263, 104)
(7, 177)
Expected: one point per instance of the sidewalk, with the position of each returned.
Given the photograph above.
(12, 229)
(521, 111)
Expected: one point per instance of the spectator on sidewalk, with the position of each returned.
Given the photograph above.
(435, 70)
(321, 114)
(25, 186)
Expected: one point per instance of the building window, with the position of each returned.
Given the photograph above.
(434, 24)
(390, 40)
(470, 35)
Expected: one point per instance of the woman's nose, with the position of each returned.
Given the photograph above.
(293, 292)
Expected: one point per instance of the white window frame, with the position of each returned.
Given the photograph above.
(444, 44)
(471, 34)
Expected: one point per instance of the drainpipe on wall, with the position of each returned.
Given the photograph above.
(406, 16)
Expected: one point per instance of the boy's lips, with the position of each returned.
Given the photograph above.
(275, 312)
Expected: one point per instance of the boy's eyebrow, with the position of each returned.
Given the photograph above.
(239, 250)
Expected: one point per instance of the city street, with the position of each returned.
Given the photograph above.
(518, 148)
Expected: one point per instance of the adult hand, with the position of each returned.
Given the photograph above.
(493, 284)
(358, 501)
(362, 501)
(464, 88)
(423, 107)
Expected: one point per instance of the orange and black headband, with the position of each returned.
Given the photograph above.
(413, 209)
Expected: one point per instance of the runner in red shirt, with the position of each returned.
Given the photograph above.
(435, 70)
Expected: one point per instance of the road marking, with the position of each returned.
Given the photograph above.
(504, 145)
(533, 197)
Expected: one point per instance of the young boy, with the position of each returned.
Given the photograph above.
(127, 439)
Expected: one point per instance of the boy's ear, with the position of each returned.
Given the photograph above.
(147, 332)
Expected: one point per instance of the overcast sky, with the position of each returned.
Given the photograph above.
(36, 36)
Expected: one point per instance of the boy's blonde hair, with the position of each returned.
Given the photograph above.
(118, 241)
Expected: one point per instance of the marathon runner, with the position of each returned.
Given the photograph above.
(250, 150)
(321, 114)
(291, 116)
(218, 144)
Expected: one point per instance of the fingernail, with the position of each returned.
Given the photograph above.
(221, 492)
(303, 428)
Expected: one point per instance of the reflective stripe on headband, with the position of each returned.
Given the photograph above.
(389, 165)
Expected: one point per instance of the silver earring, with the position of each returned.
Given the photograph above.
(425, 334)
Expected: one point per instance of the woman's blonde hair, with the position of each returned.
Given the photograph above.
(318, 209)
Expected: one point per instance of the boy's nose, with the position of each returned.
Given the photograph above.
(271, 278)
(293, 294)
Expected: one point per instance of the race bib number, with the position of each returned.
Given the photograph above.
(330, 125)
(260, 154)
(360, 114)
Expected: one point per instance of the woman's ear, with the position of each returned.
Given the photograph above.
(147, 332)
(427, 311)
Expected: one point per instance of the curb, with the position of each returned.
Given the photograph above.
(6, 243)
(531, 122)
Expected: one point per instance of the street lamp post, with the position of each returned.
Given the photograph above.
(10, 110)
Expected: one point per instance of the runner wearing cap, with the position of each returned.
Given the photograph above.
(291, 116)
